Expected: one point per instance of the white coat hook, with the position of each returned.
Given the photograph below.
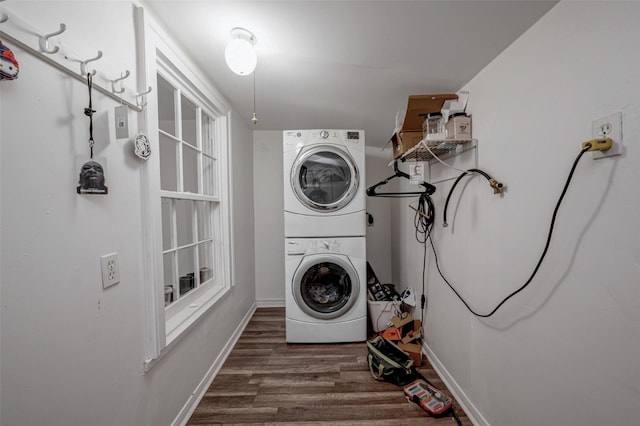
(83, 64)
(113, 83)
(3, 16)
(44, 40)
(140, 98)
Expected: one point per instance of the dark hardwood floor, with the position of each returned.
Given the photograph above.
(267, 381)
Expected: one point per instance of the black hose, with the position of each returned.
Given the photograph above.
(542, 256)
(463, 174)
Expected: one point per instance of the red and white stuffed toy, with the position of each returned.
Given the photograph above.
(8, 65)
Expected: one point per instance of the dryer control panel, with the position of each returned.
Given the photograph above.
(302, 137)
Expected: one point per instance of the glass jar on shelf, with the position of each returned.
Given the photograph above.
(433, 127)
(458, 126)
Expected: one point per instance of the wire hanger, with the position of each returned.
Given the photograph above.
(371, 191)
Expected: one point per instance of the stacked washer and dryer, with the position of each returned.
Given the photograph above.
(325, 245)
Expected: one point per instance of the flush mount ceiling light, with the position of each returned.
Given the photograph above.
(240, 53)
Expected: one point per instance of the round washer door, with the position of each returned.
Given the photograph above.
(325, 286)
(324, 178)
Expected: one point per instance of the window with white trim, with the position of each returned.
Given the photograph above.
(192, 144)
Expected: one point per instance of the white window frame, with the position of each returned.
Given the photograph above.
(166, 326)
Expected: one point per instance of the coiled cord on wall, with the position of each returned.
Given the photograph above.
(423, 221)
(424, 218)
(542, 256)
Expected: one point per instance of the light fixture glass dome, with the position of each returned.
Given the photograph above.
(240, 54)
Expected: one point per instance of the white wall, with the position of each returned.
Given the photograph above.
(73, 353)
(565, 350)
(379, 234)
(269, 217)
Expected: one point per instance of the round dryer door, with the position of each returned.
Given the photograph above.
(324, 178)
(325, 286)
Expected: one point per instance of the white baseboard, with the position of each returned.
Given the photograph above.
(471, 411)
(270, 303)
(189, 407)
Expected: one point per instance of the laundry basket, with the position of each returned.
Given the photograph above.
(380, 313)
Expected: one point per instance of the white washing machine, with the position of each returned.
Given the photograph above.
(324, 186)
(326, 290)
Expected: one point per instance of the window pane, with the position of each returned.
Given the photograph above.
(207, 137)
(190, 169)
(205, 253)
(166, 106)
(185, 269)
(169, 279)
(204, 220)
(168, 166)
(184, 221)
(208, 175)
(191, 160)
(189, 122)
(166, 224)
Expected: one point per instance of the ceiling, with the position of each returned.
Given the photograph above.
(345, 64)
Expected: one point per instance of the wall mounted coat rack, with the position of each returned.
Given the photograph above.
(45, 52)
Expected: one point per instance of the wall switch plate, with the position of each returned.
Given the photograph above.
(608, 127)
(122, 122)
(110, 270)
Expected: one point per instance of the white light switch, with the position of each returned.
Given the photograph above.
(122, 122)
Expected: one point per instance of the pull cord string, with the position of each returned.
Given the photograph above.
(89, 113)
(254, 118)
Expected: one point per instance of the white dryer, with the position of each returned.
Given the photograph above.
(324, 186)
(325, 290)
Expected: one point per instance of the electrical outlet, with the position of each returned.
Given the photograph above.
(110, 270)
(608, 127)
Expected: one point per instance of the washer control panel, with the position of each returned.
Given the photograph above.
(301, 247)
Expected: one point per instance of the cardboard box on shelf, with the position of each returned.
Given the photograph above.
(404, 141)
(454, 106)
(410, 132)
